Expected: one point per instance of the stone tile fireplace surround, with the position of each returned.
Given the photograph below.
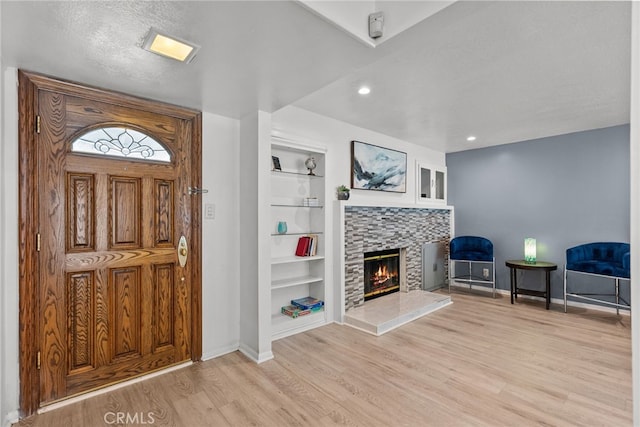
(372, 228)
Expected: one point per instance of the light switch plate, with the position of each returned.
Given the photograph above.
(209, 211)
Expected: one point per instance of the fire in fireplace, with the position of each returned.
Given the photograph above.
(381, 273)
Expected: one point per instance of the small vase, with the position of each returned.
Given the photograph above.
(282, 227)
(343, 195)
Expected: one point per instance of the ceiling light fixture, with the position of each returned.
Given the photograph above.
(169, 46)
(364, 90)
(471, 138)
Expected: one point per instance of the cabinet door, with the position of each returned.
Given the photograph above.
(440, 185)
(431, 183)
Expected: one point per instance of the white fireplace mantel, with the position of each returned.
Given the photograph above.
(377, 204)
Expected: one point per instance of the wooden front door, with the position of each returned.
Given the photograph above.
(113, 210)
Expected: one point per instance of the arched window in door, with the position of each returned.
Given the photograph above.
(121, 142)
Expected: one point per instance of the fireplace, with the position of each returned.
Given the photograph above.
(372, 228)
(381, 273)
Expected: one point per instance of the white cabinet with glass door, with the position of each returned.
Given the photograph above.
(431, 183)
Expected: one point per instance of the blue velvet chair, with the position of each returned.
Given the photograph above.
(472, 250)
(609, 260)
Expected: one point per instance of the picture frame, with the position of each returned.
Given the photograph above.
(378, 168)
(276, 163)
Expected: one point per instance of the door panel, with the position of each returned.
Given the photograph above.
(80, 212)
(125, 290)
(81, 321)
(114, 302)
(125, 208)
(163, 225)
(164, 295)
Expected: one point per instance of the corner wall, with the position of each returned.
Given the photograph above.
(255, 321)
(563, 190)
(9, 365)
(220, 249)
(635, 201)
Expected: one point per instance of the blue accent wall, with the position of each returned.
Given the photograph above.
(563, 191)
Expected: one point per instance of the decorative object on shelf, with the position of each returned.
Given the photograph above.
(343, 192)
(282, 227)
(310, 164)
(276, 163)
(310, 202)
(377, 168)
(530, 250)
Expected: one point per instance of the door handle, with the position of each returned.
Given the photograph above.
(182, 251)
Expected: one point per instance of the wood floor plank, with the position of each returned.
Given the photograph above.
(478, 362)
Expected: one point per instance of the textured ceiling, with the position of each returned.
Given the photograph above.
(505, 71)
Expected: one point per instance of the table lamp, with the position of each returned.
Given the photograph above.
(530, 250)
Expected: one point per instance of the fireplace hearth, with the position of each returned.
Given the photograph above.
(381, 273)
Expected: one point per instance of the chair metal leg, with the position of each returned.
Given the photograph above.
(469, 274)
(617, 295)
(450, 275)
(493, 269)
(565, 288)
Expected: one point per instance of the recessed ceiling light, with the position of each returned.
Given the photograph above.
(471, 138)
(364, 90)
(169, 46)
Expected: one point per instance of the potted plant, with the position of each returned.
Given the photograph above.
(343, 192)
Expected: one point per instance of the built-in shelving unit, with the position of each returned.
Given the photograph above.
(296, 276)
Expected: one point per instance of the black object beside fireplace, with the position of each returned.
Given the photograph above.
(381, 273)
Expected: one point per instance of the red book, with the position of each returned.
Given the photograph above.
(303, 246)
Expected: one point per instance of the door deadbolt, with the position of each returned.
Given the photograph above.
(182, 251)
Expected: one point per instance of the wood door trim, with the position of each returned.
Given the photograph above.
(29, 85)
(28, 267)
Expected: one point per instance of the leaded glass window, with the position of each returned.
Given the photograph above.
(121, 142)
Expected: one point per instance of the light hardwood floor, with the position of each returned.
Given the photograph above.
(480, 361)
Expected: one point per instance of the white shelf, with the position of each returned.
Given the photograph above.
(283, 325)
(292, 259)
(296, 281)
(302, 233)
(293, 276)
(282, 205)
(284, 173)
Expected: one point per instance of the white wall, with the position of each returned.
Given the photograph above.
(220, 249)
(255, 322)
(9, 384)
(635, 203)
(2, 214)
(337, 137)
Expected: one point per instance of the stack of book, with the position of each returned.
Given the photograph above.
(308, 303)
(310, 201)
(307, 245)
(302, 306)
(293, 311)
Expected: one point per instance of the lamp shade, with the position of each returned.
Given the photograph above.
(530, 250)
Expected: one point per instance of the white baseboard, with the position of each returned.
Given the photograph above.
(560, 301)
(11, 418)
(251, 354)
(221, 351)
